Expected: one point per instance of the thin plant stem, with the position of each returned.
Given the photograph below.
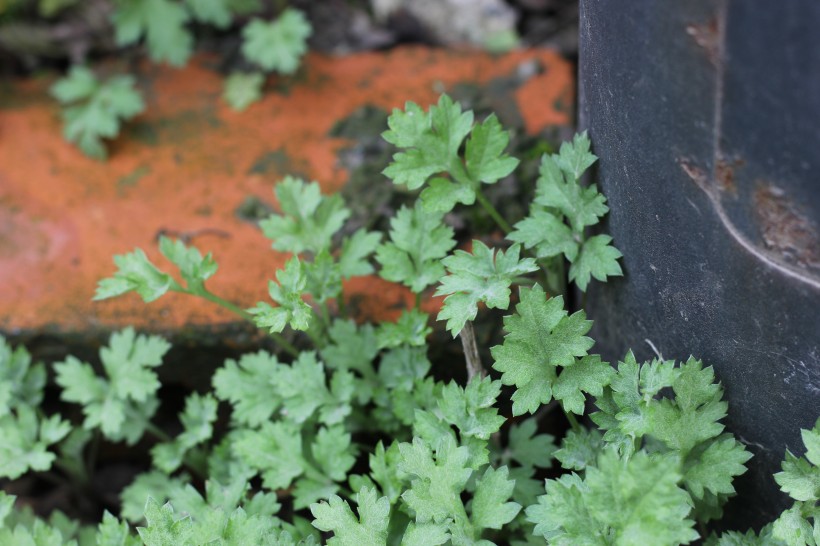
(93, 452)
(468, 343)
(562, 276)
(573, 422)
(157, 432)
(325, 315)
(197, 461)
(314, 338)
(279, 339)
(418, 300)
(491, 210)
(546, 410)
(81, 477)
(233, 308)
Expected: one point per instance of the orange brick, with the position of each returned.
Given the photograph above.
(185, 165)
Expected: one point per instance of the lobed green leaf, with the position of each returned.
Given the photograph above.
(277, 45)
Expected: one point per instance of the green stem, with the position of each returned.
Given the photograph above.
(158, 432)
(213, 298)
(90, 462)
(562, 275)
(573, 422)
(314, 338)
(279, 339)
(197, 461)
(418, 301)
(491, 210)
(79, 474)
(325, 315)
(553, 274)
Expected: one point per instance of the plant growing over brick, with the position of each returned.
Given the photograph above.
(348, 435)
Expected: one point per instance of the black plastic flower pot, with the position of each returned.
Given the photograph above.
(706, 118)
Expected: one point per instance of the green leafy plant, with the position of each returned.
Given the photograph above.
(560, 213)
(277, 45)
(347, 433)
(94, 110)
(800, 479)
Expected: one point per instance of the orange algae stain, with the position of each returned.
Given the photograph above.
(372, 299)
(546, 100)
(187, 164)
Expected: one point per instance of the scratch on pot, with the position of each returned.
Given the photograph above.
(699, 177)
(694, 206)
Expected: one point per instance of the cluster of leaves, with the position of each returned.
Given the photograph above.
(800, 479)
(432, 141)
(25, 433)
(93, 111)
(562, 210)
(347, 435)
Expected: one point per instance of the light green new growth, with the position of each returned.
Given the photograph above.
(258, 386)
(542, 340)
(122, 403)
(94, 110)
(195, 269)
(214, 12)
(138, 274)
(418, 242)
(25, 434)
(800, 479)
(275, 451)
(479, 277)
(24, 441)
(292, 310)
(163, 24)
(21, 382)
(277, 45)
(197, 421)
(160, 22)
(243, 89)
(562, 210)
(687, 425)
(437, 462)
(308, 220)
(431, 142)
(411, 329)
(472, 409)
(437, 480)
(368, 529)
(620, 502)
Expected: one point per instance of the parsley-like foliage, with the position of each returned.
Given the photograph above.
(94, 110)
(350, 432)
(561, 211)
